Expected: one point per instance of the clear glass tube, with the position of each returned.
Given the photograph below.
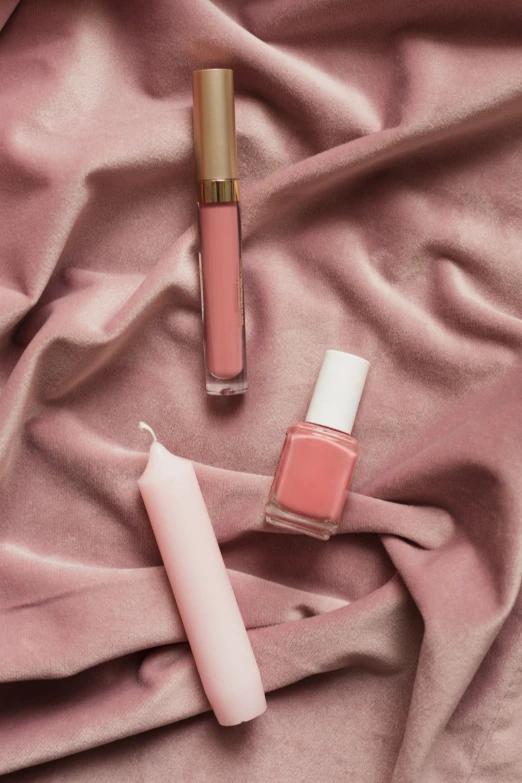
(222, 302)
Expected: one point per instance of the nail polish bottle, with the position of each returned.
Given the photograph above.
(319, 455)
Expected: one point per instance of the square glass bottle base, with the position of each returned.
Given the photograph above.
(221, 387)
(316, 528)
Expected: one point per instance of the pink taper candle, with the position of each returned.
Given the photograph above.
(202, 590)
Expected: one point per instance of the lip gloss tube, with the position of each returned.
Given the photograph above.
(220, 267)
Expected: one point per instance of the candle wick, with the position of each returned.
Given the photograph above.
(146, 427)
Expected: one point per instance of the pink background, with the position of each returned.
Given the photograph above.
(381, 158)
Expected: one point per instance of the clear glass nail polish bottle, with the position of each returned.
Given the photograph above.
(319, 455)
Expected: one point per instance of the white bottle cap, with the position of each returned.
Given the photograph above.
(338, 391)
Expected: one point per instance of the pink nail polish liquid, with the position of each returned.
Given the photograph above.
(319, 455)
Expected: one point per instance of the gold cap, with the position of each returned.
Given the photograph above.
(214, 124)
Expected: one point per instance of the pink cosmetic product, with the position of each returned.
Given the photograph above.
(201, 587)
(319, 455)
(220, 266)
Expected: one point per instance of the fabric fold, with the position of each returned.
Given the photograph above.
(379, 154)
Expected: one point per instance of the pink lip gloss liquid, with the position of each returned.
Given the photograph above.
(319, 455)
(219, 231)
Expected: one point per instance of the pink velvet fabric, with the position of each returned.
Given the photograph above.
(381, 159)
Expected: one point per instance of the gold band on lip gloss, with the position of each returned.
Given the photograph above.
(217, 191)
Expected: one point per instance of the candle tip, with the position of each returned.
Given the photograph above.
(146, 427)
